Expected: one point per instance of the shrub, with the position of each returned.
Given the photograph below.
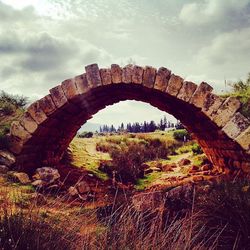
(196, 149)
(181, 135)
(8, 108)
(16, 100)
(85, 135)
(4, 141)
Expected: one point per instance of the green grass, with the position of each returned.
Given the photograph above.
(145, 182)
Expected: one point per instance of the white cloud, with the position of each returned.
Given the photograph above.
(211, 11)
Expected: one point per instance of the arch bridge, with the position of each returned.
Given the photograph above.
(45, 130)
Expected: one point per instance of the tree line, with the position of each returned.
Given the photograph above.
(145, 127)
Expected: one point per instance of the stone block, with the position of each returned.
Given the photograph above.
(106, 76)
(236, 125)
(186, 91)
(70, 89)
(149, 77)
(174, 85)
(28, 123)
(162, 78)
(137, 74)
(244, 139)
(18, 130)
(226, 111)
(93, 76)
(36, 112)
(200, 94)
(211, 104)
(127, 72)
(58, 96)
(47, 105)
(82, 83)
(116, 73)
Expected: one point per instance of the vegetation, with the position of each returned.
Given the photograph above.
(85, 135)
(241, 90)
(181, 135)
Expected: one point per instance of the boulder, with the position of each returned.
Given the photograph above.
(168, 167)
(184, 162)
(7, 158)
(72, 191)
(148, 171)
(38, 183)
(3, 169)
(47, 174)
(83, 187)
(21, 177)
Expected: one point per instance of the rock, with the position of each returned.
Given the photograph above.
(168, 167)
(193, 168)
(7, 158)
(38, 183)
(145, 166)
(47, 174)
(148, 171)
(72, 191)
(198, 178)
(21, 177)
(83, 187)
(3, 169)
(184, 162)
(155, 169)
(206, 167)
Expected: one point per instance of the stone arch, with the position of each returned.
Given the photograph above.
(45, 130)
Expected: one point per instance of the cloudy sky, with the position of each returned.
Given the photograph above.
(43, 42)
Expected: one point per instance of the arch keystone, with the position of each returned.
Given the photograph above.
(162, 78)
(93, 75)
(116, 73)
(149, 77)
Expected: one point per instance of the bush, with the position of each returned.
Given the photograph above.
(8, 108)
(4, 141)
(86, 135)
(15, 100)
(22, 231)
(181, 135)
(196, 149)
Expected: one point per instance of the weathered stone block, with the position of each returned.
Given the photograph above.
(244, 139)
(116, 73)
(162, 78)
(226, 111)
(47, 105)
(236, 125)
(18, 130)
(127, 72)
(82, 83)
(211, 104)
(58, 96)
(106, 76)
(186, 91)
(70, 89)
(36, 112)
(200, 94)
(174, 85)
(137, 74)
(149, 77)
(16, 145)
(28, 123)
(93, 76)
